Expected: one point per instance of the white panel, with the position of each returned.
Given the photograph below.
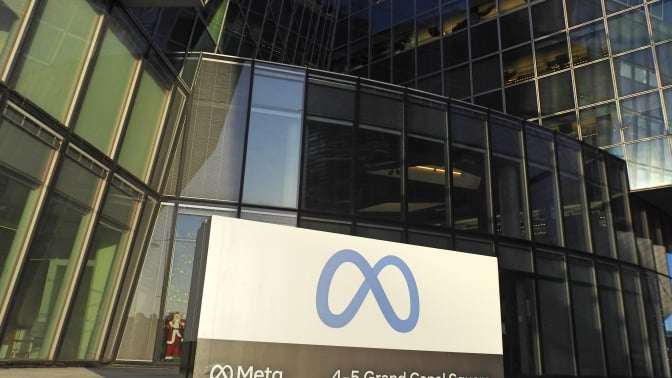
(261, 285)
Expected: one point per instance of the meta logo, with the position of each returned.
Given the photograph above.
(372, 284)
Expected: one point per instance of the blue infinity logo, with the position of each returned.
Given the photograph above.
(371, 283)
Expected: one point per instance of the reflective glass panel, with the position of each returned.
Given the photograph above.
(587, 325)
(635, 72)
(661, 24)
(470, 186)
(13, 12)
(637, 331)
(514, 28)
(518, 65)
(93, 299)
(620, 209)
(555, 93)
(600, 125)
(213, 164)
(426, 194)
(51, 265)
(143, 318)
(542, 181)
(146, 120)
(488, 74)
(628, 31)
(593, 83)
(554, 314)
(580, 11)
(574, 203)
(508, 179)
(328, 165)
(21, 178)
(551, 54)
(274, 138)
(649, 163)
(378, 173)
(613, 319)
(51, 65)
(521, 100)
(106, 96)
(642, 117)
(457, 82)
(664, 56)
(601, 224)
(547, 17)
(588, 43)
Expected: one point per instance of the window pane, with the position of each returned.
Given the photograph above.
(542, 180)
(214, 153)
(588, 330)
(274, 137)
(556, 341)
(601, 224)
(649, 163)
(103, 107)
(508, 180)
(547, 17)
(613, 319)
(143, 319)
(600, 126)
(426, 172)
(379, 174)
(521, 100)
(618, 195)
(514, 27)
(381, 108)
(593, 83)
(551, 54)
(52, 64)
(660, 20)
(635, 72)
(628, 31)
(51, 262)
(518, 65)
(21, 178)
(580, 11)
(642, 117)
(555, 93)
(146, 120)
(469, 171)
(329, 157)
(13, 12)
(637, 332)
(588, 43)
(574, 216)
(97, 283)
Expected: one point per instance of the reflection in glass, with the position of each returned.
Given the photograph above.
(554, 314)
(328, 160)
(378, 173)
(542, 180)
(613, 319)
(593, 83)
(143, 318)
(601, 224)
(664, 56)
(521, 100)
(588, 43)
(145, 123)
(635, 72)
(51, 265)
(642, 117)
(487, 74)
(564, 123)
(628, 31)
(484, 39)
(85, 329)
(470, 195)
(547, 17)
(580, 11)
(508, 180)
(588, 329)
(426, 193)
(551, 54)
(51, 66)
(212, 169)
(518, 65)
(21, 179)
(620, 209)
(649, 163)
(514, 28)
(274, 137)
(555, 93)
(105, 99)
(572, 189)
(600, 125)
(637, 332)
(661, 24)
(14, 11)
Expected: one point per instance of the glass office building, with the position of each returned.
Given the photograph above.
(124, 127)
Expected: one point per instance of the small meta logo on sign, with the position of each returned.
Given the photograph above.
(372, 284)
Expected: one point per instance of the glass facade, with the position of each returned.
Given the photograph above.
(595, 70)
(123, 129)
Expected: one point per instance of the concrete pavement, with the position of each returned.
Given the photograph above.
(90, 372)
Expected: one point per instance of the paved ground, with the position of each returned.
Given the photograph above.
(97, 372)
